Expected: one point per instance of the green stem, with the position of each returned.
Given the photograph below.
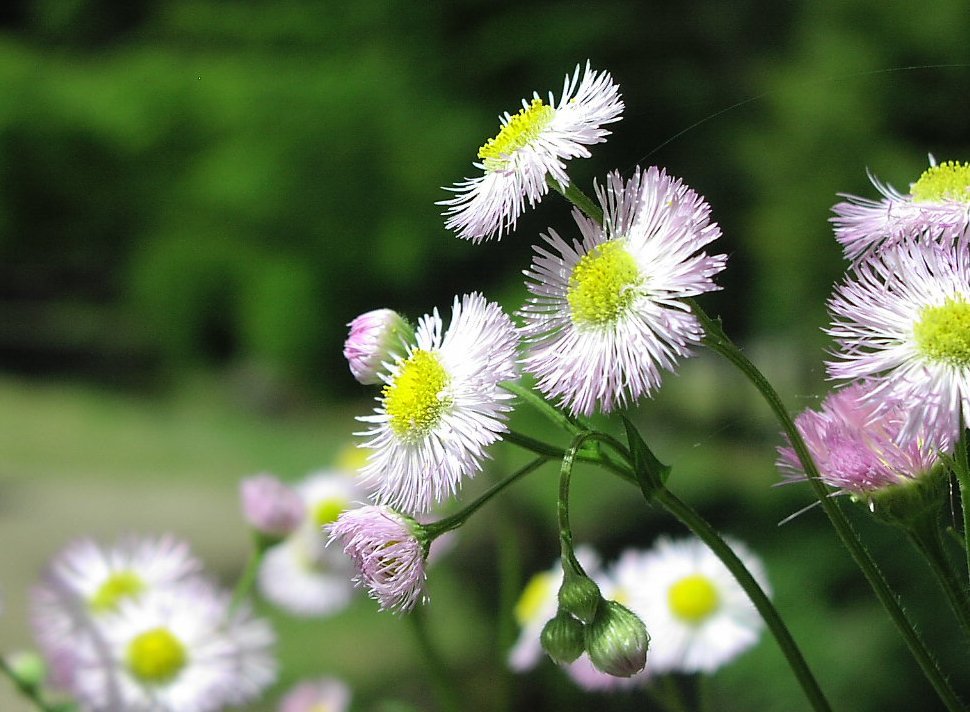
(436, 529)
(570, 425)
(715, 338)
(441, 677)
(569, 560)
(31, 692)
(578, 198)
(697, 524)
(962, 469)
(928, 541)
(553, 452)
(248, 576)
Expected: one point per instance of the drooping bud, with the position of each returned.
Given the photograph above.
(617, 640)
(375, 337)
(563, 638)
(580, 596)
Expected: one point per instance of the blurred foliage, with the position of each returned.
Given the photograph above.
(228, 183)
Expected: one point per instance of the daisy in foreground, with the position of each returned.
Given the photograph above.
(937, 205)
(531, 145)
(902, 319)
(855, 441)
(699, 617)
(441, 406)
(174, 651)
(606, 314)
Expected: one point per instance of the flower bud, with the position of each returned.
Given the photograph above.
(269, 506)
(563, 638)
(373, 340)
(580, 596)
(617, 640)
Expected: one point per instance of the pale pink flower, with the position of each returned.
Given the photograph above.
(270, 506)
(327, 694)
(375, 337)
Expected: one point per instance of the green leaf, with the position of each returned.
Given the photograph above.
(651, 474)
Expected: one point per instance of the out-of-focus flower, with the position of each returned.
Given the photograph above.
(441, 406)
(902, 320)
(387, 552)
(607, 315)
(532, 145)
(699, 617)
(177, 650)
(327, 694)
(270, 506)
(937, 207)
(375, 338)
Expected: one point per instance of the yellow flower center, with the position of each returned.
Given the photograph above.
(949, 180)
(156, 656)
(693, 598)
(118, 586)
(520, 130)
(943, 333)
(415, 400)
(603, 285)
(326, 511)
(533, 598)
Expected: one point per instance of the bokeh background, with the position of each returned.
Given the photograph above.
(197, 195)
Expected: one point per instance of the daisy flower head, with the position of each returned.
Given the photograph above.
(441, 406)
(532, 144)
(855, 441)
(324, 695)
(269, 506)
(179, 650)
(902, 320)
(937, 206)
(699, 617)
(86, 582)
(606, 313)
(301, 574)
(387, 552)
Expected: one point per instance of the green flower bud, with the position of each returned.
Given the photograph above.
(580, 596)
(912, 501)
(563, 638)
(617, 641)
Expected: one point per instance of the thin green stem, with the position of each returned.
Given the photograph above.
(248, 576)
(716, 339)
(554, 452)
(928, 541)
(436, 529)
(31, 692)
(565, 530)
(578, 198)
(441, 678)
(570, 425)
(697, 524)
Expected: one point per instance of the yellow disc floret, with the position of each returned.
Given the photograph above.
(415, 400)
(118, 586)
(949, 180)
(536, 593)
(522, 128)
(603, 285)
(693, 598)
(943, 332)
(156, 656)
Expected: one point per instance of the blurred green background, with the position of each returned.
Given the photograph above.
(196, 197)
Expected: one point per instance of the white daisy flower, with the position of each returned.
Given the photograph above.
(936, 207)
(85, 582)
(606, 314)
(441, 406)
(327, 694)
(902, 319)
(531, 145)
(178, 650)
(300, 574)
(698, 616)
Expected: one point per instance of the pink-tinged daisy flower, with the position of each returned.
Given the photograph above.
(375, 337)
(936, 207)
(179, 650)
(86, 582)
(607, 315)
(387, 552)
(902, 319)
(300, 574)
(532, 145)
(270, 506)
(441, 406)
(324, 695)
(699, 617)
(855, 442)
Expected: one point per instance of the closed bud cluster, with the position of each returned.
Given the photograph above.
(617, 640)
(580, 596)
(563, 638)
